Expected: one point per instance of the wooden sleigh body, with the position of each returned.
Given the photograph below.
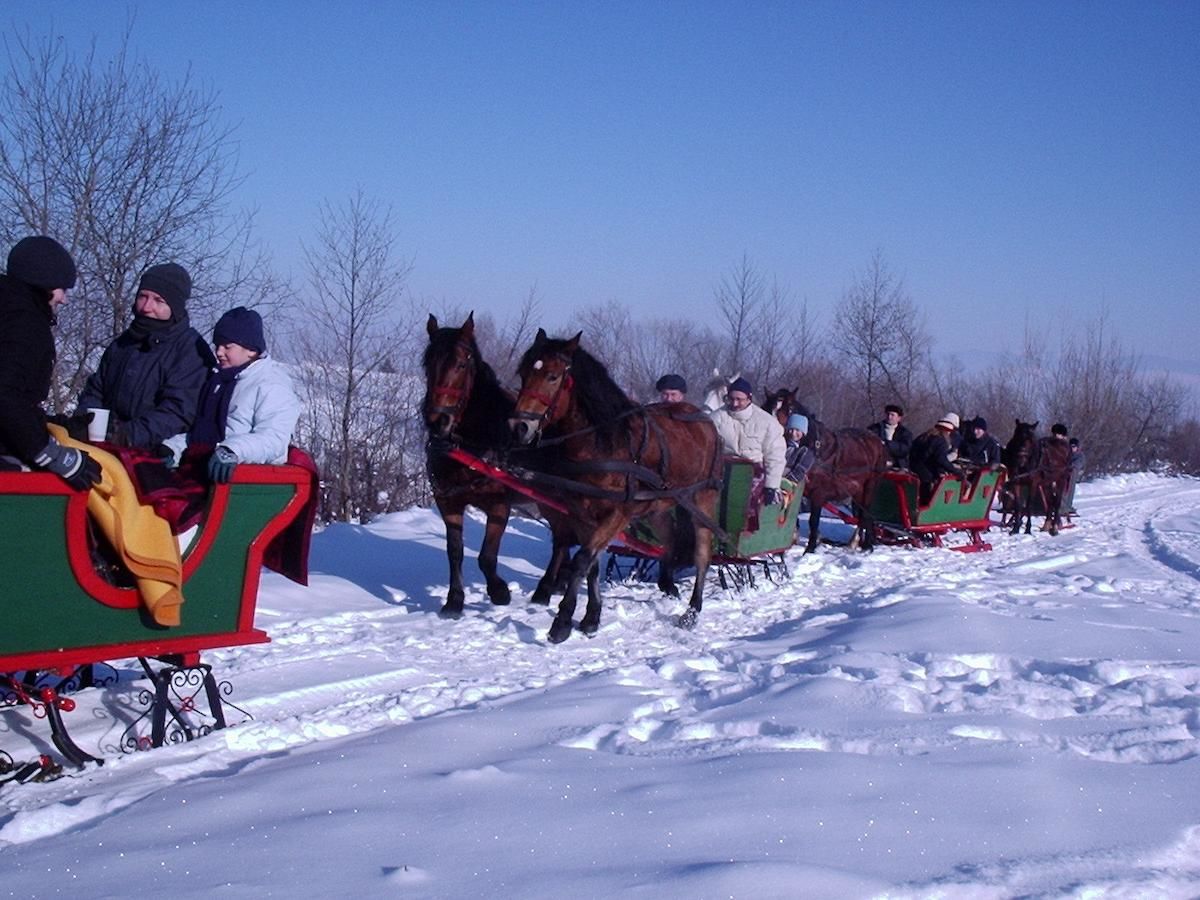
(60, 615)
(958, 504)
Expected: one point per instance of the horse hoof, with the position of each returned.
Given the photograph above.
(501, 597)
(450, 612)
(540, 597)
(589, 628)
(559, 631)
(687, 621)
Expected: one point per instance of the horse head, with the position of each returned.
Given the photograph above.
(715, 390)
(451, 363)
(1018, 452)
(546, 386)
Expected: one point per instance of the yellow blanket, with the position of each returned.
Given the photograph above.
(142, 538)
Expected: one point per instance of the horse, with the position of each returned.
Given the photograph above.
(849, 464)
(715, 390)
(623, 461)
(782, 403)
(1038, 468)
(465, 405)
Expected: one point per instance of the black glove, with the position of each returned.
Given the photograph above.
(221, 464)
(118, 433)
(76, 425)
(772, 496)
(75, 467)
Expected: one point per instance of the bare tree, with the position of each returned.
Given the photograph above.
(354, 350)
(881, 338)
(740, 296)
(127, 170)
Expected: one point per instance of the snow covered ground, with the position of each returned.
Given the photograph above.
(907, 723)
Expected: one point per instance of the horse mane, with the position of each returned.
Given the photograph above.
(603, 404)
(485, 417)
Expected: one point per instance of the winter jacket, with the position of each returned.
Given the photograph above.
(263, 412)
(798, 461)
(930, 458)
(982, 452)
(26, 365)
(898, 445)
(755, 434)
(151, 385)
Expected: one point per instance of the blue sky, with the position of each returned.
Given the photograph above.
(1010, 160)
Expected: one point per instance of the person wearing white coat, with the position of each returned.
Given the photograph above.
(248, 407)
(749, 431)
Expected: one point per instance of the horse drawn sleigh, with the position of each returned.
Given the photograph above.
(67, 618)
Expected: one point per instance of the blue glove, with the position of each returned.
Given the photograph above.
(221, 464)
(73, 466)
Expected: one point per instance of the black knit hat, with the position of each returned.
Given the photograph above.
(240, 326)
(1058, 428)
(671, 383)
(42, 262)
(892, 407)
(980, 423)
(171, 282)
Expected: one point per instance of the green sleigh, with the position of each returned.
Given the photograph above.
(63, 618)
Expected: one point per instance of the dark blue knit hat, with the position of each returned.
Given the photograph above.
(240, 326)
(741, 385)
(43, 262)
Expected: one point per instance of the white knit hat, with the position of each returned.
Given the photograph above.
(950, 420)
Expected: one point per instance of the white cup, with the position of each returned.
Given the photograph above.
(98, 427)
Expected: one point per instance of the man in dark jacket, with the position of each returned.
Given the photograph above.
(896, 438)
(980, 448)
(150, 377)
(39, 273)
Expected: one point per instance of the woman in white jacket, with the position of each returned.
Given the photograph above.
(248, 407)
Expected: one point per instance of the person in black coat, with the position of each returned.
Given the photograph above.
(150, 377)
(930, 455)
(896, 438)
(980, 448)
(39, 273)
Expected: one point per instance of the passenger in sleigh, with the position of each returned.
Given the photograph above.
(248, 408)
(930, 457)
(749, 431)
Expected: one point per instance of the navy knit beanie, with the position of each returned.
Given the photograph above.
(240, 326)
(742, 386)
(42, 262)
(171, 282)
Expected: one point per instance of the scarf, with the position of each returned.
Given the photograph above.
(209, 427)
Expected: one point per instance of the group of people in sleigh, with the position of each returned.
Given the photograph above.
(160, 395)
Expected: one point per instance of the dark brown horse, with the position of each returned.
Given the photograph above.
(466, 406)
(1039, 474)
(617, 461)
(850, 462)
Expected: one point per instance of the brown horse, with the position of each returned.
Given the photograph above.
(850, 462)
(466, 406)
(1039, 470)
(617, 461)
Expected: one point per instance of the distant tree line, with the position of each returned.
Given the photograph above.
(128, 170)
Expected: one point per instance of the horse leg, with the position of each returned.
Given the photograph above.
(702, 557)
(452, 516)
(497, 521)
(560, 628)
(586, 564)
(590, 623)
(814, 525)
(554, 579)
(664, 524)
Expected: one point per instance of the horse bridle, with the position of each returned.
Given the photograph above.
(549, 401)
(456, 397)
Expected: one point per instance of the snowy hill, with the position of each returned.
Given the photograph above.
(905, 723)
